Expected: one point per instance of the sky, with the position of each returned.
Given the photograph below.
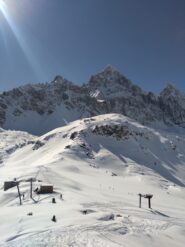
(143, 39)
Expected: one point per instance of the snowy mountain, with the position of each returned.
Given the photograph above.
(99, 165)
(40, 108)
(99, 145)
(11, 141)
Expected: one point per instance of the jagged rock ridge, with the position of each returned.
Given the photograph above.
(41, 107)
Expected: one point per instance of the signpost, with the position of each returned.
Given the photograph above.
(147, 196)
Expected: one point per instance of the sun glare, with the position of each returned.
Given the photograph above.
(1, 3)
(5, 11)
(2, 7)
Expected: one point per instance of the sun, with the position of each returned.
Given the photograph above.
(2, 7)
(10, 19)
(2, 4)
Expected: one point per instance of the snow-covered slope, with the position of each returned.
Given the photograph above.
(40, 108)
(10, 141)
(99, 164)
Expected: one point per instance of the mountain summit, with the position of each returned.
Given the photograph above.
(39, 108)
(96, 165)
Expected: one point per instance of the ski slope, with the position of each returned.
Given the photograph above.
(99, 165)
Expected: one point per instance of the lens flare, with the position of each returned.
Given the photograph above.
(2, 5)
(28, 53)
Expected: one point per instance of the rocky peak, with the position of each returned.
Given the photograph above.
(110, 76)
(61, 83)
(171, 91)
(110, 69)
(58, 78)
(172, 103)
(172, 95)
(107, 92)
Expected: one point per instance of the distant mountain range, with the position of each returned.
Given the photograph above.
(39, 108)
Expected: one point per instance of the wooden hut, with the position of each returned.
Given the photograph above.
(45, 188)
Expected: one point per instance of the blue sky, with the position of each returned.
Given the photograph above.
(144, 39)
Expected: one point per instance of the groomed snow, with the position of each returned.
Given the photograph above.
(99, 177)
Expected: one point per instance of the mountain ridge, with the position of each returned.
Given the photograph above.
(55, 103)
(98, 164)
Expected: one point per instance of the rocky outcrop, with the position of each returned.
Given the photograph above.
(107, 92)
(172, 104)
(117, 130)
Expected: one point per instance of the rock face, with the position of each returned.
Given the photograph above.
(41, 107)
(121, 96)
(118, 131)
(172, 104)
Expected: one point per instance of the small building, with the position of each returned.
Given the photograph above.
(46, 188)
(9, 184)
